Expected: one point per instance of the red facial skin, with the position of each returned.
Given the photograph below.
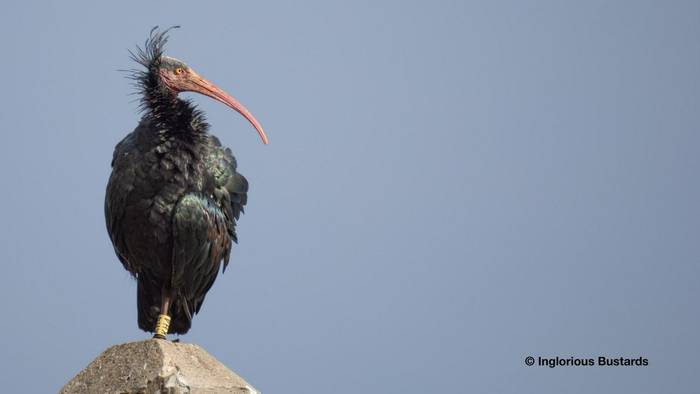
(184, 79)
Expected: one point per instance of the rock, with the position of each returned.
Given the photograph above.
(156, 366)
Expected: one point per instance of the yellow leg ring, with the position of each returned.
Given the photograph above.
(162, 326)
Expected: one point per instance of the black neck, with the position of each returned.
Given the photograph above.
(171, 114)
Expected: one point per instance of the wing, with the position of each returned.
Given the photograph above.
(231, 191)
(200, 241)
(121, 183)
(204, 227)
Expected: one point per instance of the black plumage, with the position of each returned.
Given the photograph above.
(173, 197)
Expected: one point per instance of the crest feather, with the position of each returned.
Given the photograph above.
(149, 56)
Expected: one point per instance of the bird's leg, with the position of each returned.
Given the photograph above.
(163, 323)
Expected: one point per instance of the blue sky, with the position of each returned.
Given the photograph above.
(449, 188)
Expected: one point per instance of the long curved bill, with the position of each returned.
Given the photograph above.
(209, 89)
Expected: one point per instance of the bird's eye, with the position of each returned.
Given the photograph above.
(179, 71)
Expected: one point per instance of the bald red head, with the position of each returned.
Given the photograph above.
(178, 77)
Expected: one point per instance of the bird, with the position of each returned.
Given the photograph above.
(174, 194)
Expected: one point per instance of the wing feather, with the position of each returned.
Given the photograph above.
(200, 242)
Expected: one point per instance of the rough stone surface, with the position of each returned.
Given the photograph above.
(156, 366)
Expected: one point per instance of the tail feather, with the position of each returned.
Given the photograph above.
(181, 318)
(148, 303)
(149, 300)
